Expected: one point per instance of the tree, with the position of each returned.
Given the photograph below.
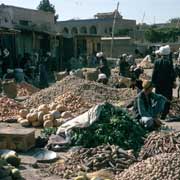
(164, 35)
(45, 5)
(174, 20)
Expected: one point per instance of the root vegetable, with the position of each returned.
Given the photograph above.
(56, 114)
(36, 124)
(57, 122)
(44, 108)
(23, 113)
(52, 106)
(20, 119)
(40, 116)
(61, 108)
(48, 124)
(31, 117)
(25, 123)
(48, 117)
(66, 114)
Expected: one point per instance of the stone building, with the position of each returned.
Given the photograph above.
(100, 25)
(35, 29)
(121, 45)
(87, 33)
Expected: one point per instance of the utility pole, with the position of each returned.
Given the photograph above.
(154, 20)
(142, 22)
(113, 28)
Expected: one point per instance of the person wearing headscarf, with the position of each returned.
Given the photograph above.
(123, 66)
(164, 77)
(43, 75)
(102, 78)
(148, 106)
(6, 61)
(103, 67)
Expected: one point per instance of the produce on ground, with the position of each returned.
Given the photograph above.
(144, 76)
(160, 167)
(89, 160)
(146, 63)
(98, 175)
(90, 92)
(115, 126)
(45, 115)
(25, 89)
(9, 108)
(8, 164)
(175, 107)
(73, 103)
(160, 142)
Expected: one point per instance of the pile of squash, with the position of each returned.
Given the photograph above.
(52, 115)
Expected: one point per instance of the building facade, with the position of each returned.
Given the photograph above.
(35, 29)
(100, 25)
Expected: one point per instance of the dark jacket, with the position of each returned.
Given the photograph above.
(163, 74)
(105, 70)
(149, 106)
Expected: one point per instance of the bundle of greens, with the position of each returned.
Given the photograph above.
(115, 126)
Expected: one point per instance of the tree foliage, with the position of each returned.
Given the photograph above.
(122, 32)
(163, 35)
(45, 5)
(174, 20)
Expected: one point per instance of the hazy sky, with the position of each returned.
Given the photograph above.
(155, 10)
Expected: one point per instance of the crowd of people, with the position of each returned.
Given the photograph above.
(150, 107)
(153, 107)
(27, 68)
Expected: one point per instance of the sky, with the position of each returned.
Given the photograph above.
(153, 11)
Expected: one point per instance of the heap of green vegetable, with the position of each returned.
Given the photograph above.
(115, 126)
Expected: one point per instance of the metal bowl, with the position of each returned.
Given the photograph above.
(6, 151)
(45, 156)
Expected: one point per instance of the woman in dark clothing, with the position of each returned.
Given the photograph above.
(43, 76)
(164, 77)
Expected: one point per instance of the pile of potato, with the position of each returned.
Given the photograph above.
(160, 167)
(9, 108)
(74, 103)
(52, 115)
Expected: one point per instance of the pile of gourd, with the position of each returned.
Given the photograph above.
(8, 167)
(52, 115)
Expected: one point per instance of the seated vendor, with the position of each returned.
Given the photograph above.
(148, 106)
(102, 78)
(9, 75)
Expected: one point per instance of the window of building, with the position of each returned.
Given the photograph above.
(110, 30)
(65, 30)
(93, 30)
(83, 30)
(5, 20)
(24, 23)
(74, 31)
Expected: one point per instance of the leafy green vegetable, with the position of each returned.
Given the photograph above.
(115, 126)
(46, 132)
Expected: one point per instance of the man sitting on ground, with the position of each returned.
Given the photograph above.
(148, 106)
